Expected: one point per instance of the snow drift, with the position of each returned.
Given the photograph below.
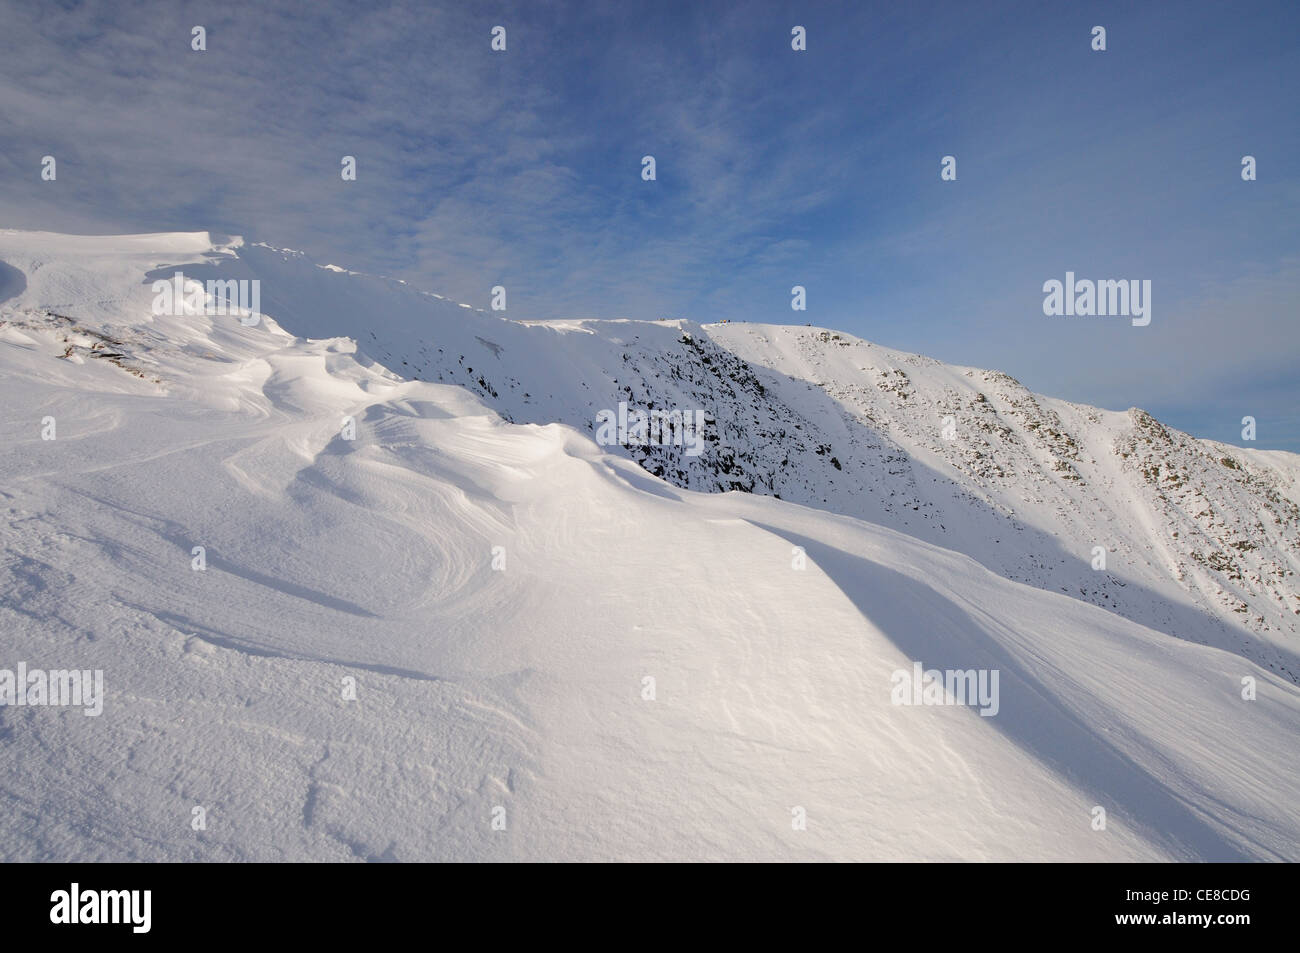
(463, 630)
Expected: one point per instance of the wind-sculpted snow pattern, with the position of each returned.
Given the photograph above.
(365, 582)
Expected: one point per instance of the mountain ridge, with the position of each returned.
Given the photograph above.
(769, 628)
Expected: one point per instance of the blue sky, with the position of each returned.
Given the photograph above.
(775, 168)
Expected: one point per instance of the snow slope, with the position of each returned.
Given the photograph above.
(522, 687)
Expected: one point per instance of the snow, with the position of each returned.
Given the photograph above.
(522, 687)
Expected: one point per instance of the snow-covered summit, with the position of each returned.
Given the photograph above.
(563, 649)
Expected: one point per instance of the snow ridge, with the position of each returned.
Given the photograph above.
(615, 652)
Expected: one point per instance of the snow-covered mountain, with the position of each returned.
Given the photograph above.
(563, 649)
